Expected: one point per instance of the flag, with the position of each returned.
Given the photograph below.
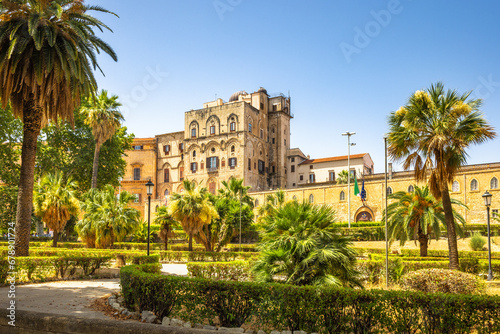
(356, 188)
(363, 191)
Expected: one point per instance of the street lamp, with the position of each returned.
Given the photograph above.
(149, 192)
(487, 201)
(349, 134)
(386, 233)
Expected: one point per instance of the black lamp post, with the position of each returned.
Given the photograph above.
(149, 191)
(487, 201)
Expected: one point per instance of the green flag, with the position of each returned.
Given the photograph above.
(356, 188)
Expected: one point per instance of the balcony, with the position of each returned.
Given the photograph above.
(212, 170)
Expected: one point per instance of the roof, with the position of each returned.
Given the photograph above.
(342, 157)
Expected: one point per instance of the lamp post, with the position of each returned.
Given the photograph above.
(487, 202)
(386, 233)
(149, 191)
(349, 134)
(240, 218)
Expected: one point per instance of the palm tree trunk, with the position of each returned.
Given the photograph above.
(423, 240)
(450, 225)
(190, 247)
(55, 239)
(95, 165)
(32, 119)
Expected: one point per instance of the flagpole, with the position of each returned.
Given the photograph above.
(349, 134)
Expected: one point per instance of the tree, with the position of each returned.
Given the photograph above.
(271, 204)
(431, 133)
(70, 149)
(55, 202)
(47, 57)
(415, 215)
(167, 224)
(104, 117)
(194, 211)
(300, 245)
(108, 217)
(342, 177)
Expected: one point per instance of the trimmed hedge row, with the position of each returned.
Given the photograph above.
(444, 253)
(232, 247)
(233, 271)
(364, 233)
(202, 256)
(359, 224)
(285, 307)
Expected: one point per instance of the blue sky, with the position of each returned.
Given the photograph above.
(347, 64)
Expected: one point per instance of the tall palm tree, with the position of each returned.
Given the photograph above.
(193, 210)
(107, 218)
(236, 190)
(342, 177)
(415, 215)
(300, 245)
(47, 57)
(55, 202)
(431, 134)
(271, 204)
(166, 222)
(104, 117)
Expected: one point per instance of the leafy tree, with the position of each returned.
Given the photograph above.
(104, 117)
(108, 217)
(300, 245)
(55, 202)
(194, 211)
(415, 215)
(167, 224)
(432, 133)
(70, 149)
(47, 56)
(342, 177)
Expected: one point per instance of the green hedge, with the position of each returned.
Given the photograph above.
(358, 224)
(444, 253)
(234, 270)
(202, 256)
(364, 233)
(285, 307)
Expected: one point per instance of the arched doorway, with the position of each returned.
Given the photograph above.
(364, 214)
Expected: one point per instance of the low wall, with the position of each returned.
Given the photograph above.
(28, 322)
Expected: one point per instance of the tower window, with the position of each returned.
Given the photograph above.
(232, 126)
(212, 130)
(137, 174)
(193, 133)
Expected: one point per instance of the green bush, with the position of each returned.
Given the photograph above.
(477, 242)
(143, 259)
(234, 270)
(444, 253)
(443, 280)
(311, 309)
(202, 256)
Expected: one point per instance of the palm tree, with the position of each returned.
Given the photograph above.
(55, 202)
(194, 211)
(300, 245)
(342, 177)
(166, 222)
(107, 217)
(235, 189)
(431, 133)
(415, 215)
(47, 57)
(271, 204)
(104, 117)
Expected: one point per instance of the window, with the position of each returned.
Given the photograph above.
(292, 169)
(194, 167)
(311, 167)
(166, 175)
(301, 177)
(272, 130)
(311, 178)
(311, 198)
(293, 184)
(250, 127)
(275, 107)
(256, 203)
(137, 174)
(494, 213)
(194, 154)
(223, 163)
(202, 165)
(389, 191)
(473, 185)
(249, 164)
(212, 163)
(138, 147)
(181, 173)
(294, 197)
(262, 106)
(261, 167)
(137, 198)
(254, 165)
(455, 186)
(232, 126)
(273, 169)
(331, 176)
(212, 130)
(293, 159)
(181, 147)
(193, 133)
(494, 183)
(212, 150)
(410, 188)
(342, 196)
(232, 149)
(261, 134)
(285, 142)
(167, 192)
(211, 188)
(274, 141)
(232, 163)
(166, 149)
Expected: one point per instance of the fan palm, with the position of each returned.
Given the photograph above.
(194, 211)
(55, 202)
(166, 222)
(271, 204)
(342, 177)
(415, 215)
(431, 134)
(300, 245)
(107, 217)
(104, 117)
(47, 57)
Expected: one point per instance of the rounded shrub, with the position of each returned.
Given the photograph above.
(443, 280)
(477, 242)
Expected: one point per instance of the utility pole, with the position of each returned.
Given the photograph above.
(349, 134)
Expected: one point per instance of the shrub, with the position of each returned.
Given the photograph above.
(477, 242)
(443, 280)
(234, 270)
(143, 259)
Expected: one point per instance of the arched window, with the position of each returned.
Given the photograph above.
(455, 186)
(193, 133)
(156, 208)
(294, 198)
(256, 203)
(167, 192)
(389, 191)
(194, 154)
(342, 195)
(232, 149)
(494, 183)
(474, 185)
(410, 188)
(311, 198)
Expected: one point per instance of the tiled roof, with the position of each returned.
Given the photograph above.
(342, 157)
